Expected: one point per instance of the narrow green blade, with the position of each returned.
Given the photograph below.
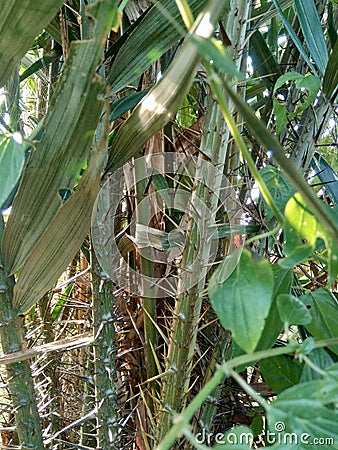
(330, 82)
(312, 31)
(11, 165)
(294, 37)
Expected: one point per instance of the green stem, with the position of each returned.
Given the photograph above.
(185, 12)
(313, 366)
(216, 84)
(263, 235)
(183, 419)
(248, 389)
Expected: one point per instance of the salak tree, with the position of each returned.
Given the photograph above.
(169, 227)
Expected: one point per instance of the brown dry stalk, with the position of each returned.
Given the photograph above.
(60, 345)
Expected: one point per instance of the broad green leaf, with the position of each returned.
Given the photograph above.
(302, 229)
(301, 232)
(273, 324)
(281, 115)
(12, 160)
(61, 239)
(323, 308)
(300, 421)
(324, 391)
(20, 22)
(243, 300)
(153, 36)
(280, 372)
(330, 82)
(228, 265)
(60, 153)
(309, 83)
(312, 31)
(163, 100)
(292, 311)
(279, 187)
(332, 372)
(320, 358)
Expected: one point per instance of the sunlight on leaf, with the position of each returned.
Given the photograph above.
(302, 229)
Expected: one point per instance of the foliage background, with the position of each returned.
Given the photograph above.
(86, 364)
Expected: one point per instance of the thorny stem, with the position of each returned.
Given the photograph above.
(19, 376)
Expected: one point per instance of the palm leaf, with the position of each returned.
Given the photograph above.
(153, 36)
(294, 36)
(163, 100)
(20, 22)
(59, 155)
(330, 82)
(62, 238)
(312, 31)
